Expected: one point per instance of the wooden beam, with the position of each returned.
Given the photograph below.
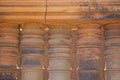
(56, 2)
(71, 22)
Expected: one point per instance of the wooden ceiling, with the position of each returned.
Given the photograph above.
(59, 10)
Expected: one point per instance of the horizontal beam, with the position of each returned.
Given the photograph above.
(63, 17)
(56, 2)
(71, 22)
